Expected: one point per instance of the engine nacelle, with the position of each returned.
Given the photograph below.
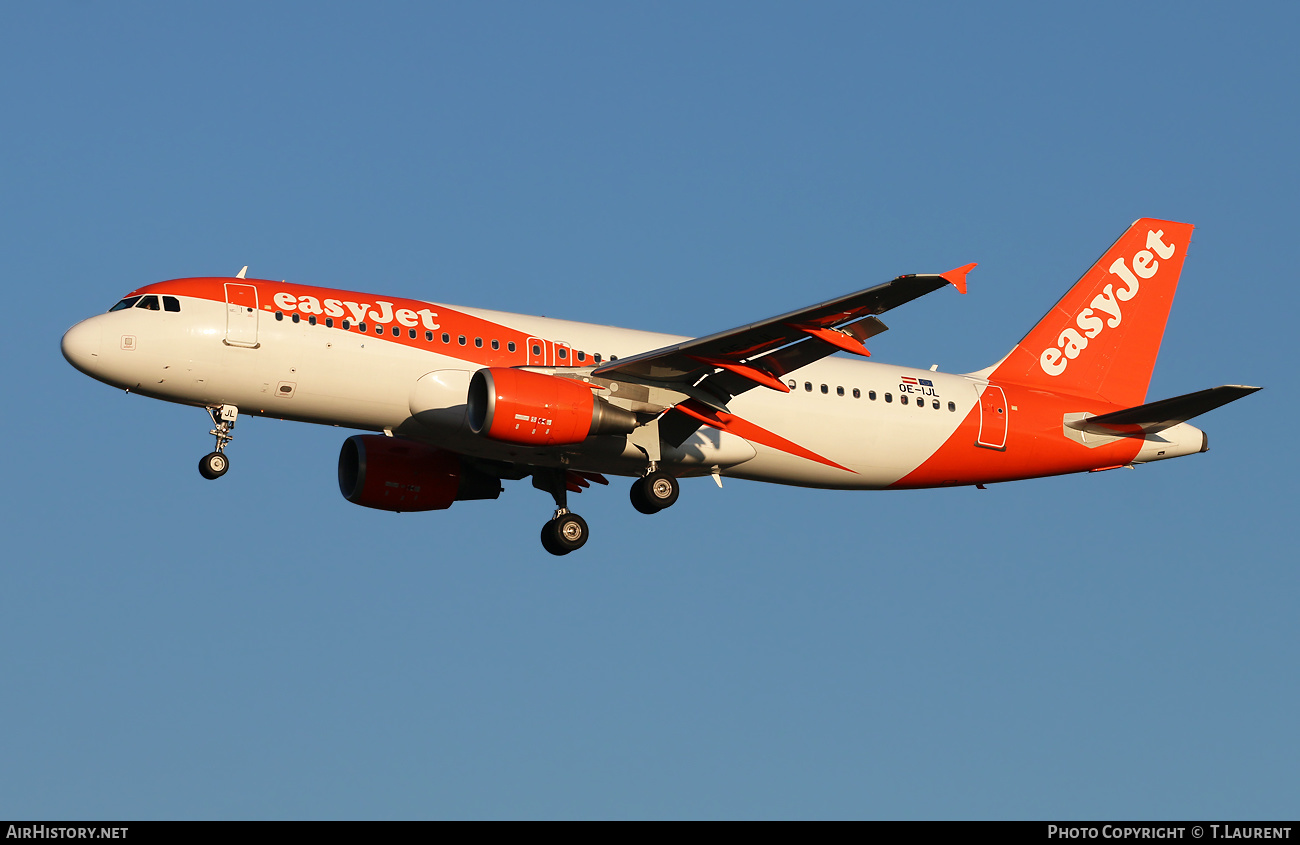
(519, 406)
(393, 474)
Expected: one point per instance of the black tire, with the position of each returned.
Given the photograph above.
(549, 540)
(565, 534)
(656, 491)
(639, 501)
(213, 465)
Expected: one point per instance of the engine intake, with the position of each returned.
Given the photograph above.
(535, 409)
(394, 474)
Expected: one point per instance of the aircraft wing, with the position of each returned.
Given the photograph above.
(760, 353)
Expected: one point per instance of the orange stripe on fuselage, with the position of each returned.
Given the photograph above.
(748, 430)
(1036, 444)
(454, 323)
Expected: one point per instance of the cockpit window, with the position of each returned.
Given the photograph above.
(171, 303)
(148, 303)
(126, 303)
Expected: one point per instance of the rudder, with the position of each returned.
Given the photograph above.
(1101, 339)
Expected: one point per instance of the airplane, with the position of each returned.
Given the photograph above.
(466, 398)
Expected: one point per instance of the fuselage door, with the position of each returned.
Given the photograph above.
(241, 315)
(539, 352)
(993, 417)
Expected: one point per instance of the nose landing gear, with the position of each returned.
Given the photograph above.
(214, 464)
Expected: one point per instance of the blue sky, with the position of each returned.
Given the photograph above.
(1121, 644)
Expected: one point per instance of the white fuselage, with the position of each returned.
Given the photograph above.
(311, 373)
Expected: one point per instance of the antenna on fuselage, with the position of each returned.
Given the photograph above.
(241, 273)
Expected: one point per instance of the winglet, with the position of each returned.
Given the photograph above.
(957, 278)
(241, 273)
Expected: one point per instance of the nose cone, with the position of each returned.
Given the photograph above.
(81, 345)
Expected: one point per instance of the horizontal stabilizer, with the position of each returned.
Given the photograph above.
(1155, 416)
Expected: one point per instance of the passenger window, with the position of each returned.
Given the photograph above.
(857, 394)
(279, 315)
(126, 303)
(347, 324)
(296, 317)
(537, 350)
(889, 398)
(171, 303)
(839, 391)
(903, 399)
(460, 339)
(825, 389)
(510, 346)
(952, 406)
(564, 354)
(412, 334)
(312, 319)
(361, 327)
(428, 336)
(446, 338)
(582, 356)
(148, 303)
(496, 344)
(329, 322)
(936, 404)
(807, 386)
(379, 329)
(478, 341)
(792, 384)
(871, 394)
(396, 331)
(596, 357)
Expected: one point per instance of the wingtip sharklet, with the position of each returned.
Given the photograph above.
(957, 277)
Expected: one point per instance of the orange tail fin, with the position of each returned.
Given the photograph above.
(1102, 338)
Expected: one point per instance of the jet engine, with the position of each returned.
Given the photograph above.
(393, 474)
(535, 409)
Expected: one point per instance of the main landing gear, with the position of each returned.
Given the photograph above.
(566, 531)
(654, 492)
(214, 464)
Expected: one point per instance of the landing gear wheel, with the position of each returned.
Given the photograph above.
(549, 541)
(564, 534)
(656, 491)
(213, 465)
